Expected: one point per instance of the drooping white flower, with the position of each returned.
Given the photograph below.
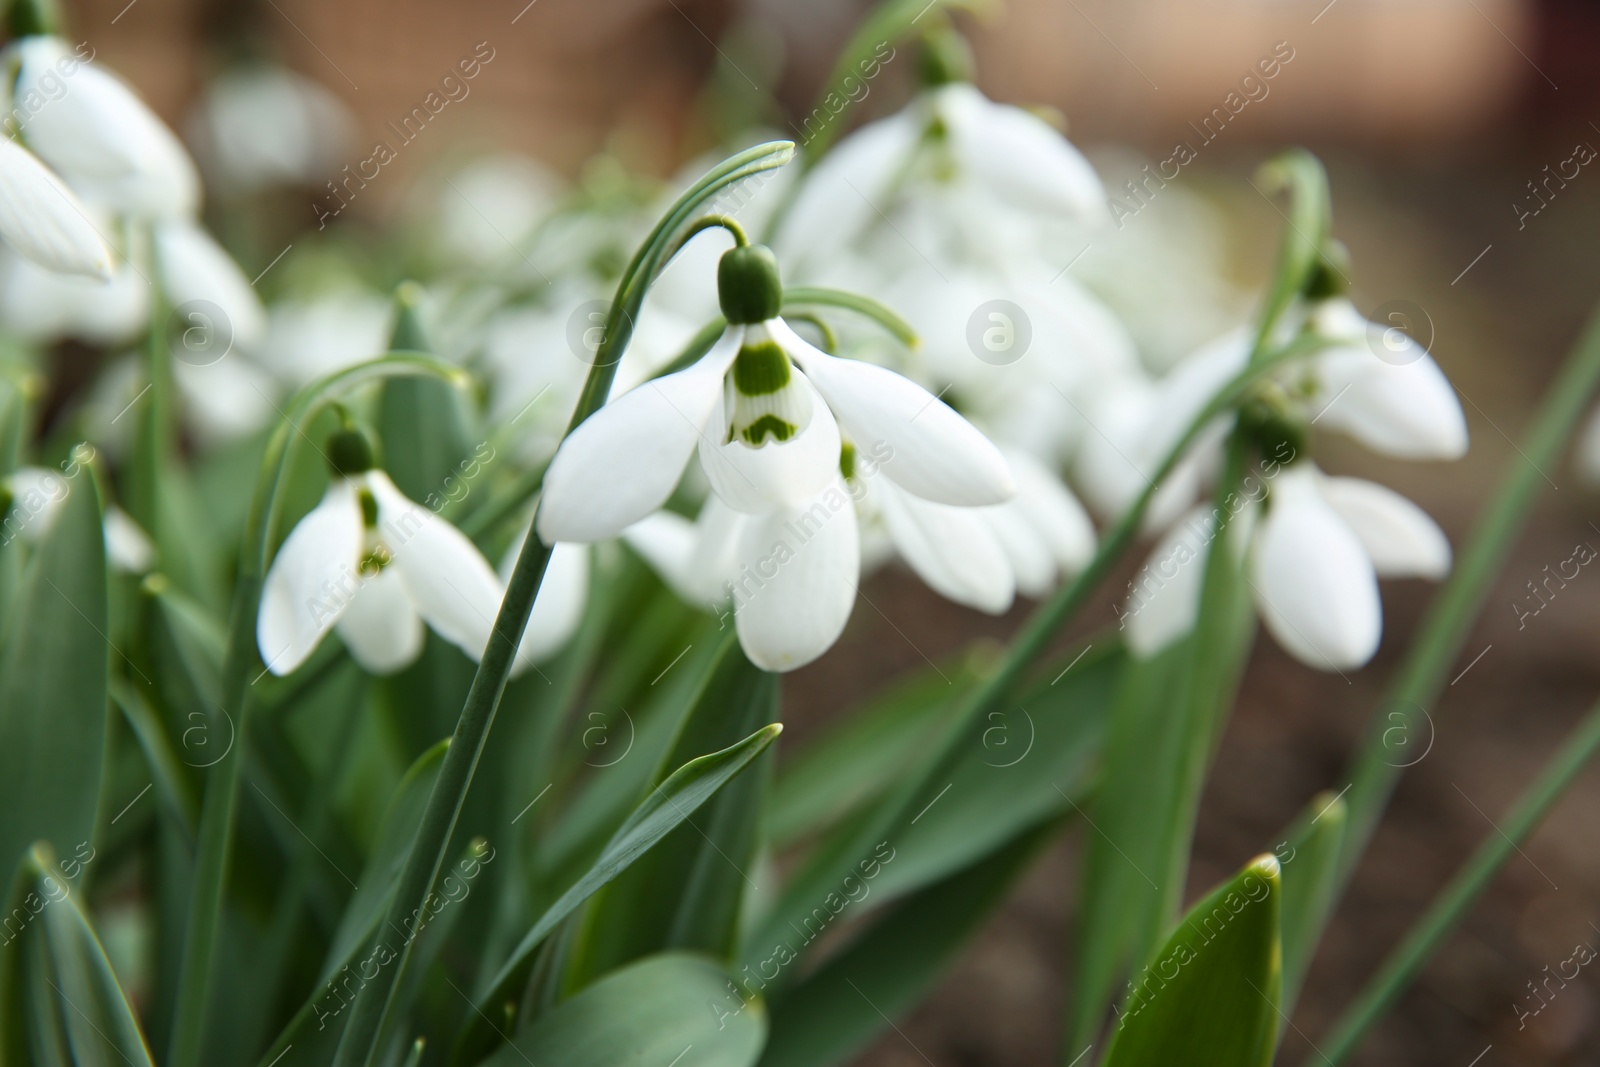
(97, 134)
(42, 219)
(1401, 406)
(769, 416)
(32, 498)
(42, 306)
(1314, 552)
(306, 339)
(985, 160)
(376, 566)
(261, 126)
(558, 609)
(198, 276)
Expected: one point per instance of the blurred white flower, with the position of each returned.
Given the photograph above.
(194, 268)
(1314, 552)
(42, 219)
(40, 306)
(487, 209)
(999, 166)
(307, 338)
(33, 499)
(558, 609)
(376, 566)
(262, 126)
(97, 134)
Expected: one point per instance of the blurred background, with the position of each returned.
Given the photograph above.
(1437, 119)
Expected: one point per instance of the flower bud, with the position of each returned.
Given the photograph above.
(349, 453)
(748, 287)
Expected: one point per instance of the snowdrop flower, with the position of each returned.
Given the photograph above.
(97, 134)
(998, 165)
(558, 609)
(770, 417)
(1400, 404)
(30, 502)
(41, 306)
(306, 339)
(1314, 551)
(42, 219)
(195, 270)
(266, 125)
(376, 566)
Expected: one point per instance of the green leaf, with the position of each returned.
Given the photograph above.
(54, 670)
(1169, 715)
(1209, 997)
(831, 1015)
(422, 422)
(379, 878)
(667, 806)
(855, 761)
(1032, 762)
(648, 1015)
(60, 970)
(174, 786)
(1309, 856)
(687, 893)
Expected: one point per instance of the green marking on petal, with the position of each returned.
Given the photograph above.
(847, 460)
(761, 369)
(757, 431)
(374, 561)
(369, 509)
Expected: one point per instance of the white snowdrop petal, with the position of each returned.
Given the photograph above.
(1402, 540)
(37, 495)
(779, 473)
(794, 591)
(194, 268)
(623, 462)
(1020, 156)
(666, 541)
(1314, 582)
(1053, 511)
(311, 580)
(128, 547)
(842, 194)
(1164, 594)
(42, 219)
(450, 583)
(1031, 563)
(381, 629)
(953, 549)
(100, 136)
(226, 399)
(558, 609)
(934, 452)
(1409, 411)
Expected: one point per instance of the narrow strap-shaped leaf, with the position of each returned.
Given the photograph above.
(1309, 855)
(1169, 717)
(1209, 997)
(662, 1010)
(688, 892)
(54, 673)
(832, 1014)
(365, 910)
(666, 807)
(1457, 898)
(63, 1001)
